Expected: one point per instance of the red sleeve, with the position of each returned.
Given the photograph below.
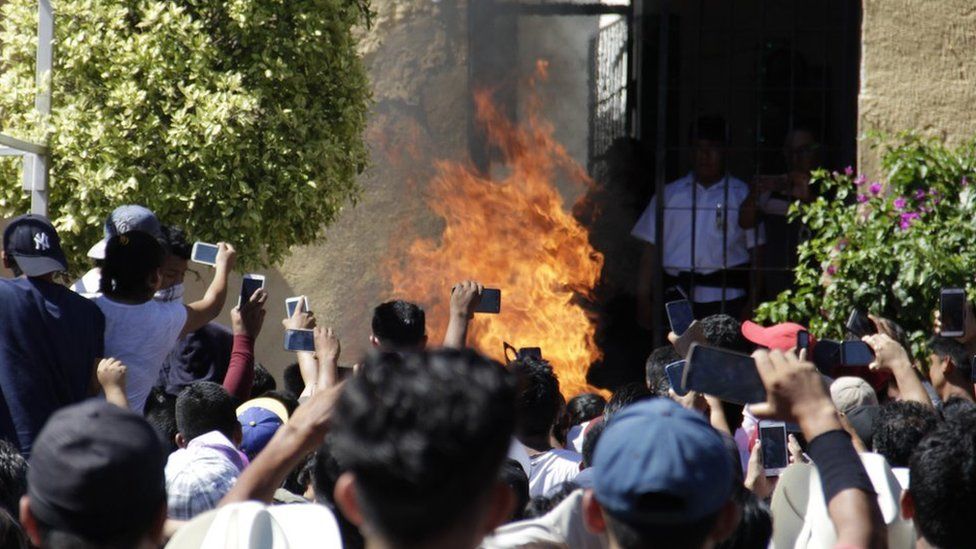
(240, 371)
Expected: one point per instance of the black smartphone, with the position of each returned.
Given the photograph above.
(680, 315)
(675, 372)
(727, 375)
(530, 352)
(859, 325)
(855, 353)
(802, 340)
(250, 284)
(952, 306)
(491, 301)
(299, 340)
(775, 450)
(825, 356)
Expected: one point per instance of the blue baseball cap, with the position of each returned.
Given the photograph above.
(33, 242)
(260, 419)
(123, 219)
(657, 447)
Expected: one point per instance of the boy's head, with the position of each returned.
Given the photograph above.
(133, 261)
(539, 399)
(203, 407)
(399, 326)
(421, 439)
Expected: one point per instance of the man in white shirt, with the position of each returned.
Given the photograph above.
(537, 407)
(701, 220)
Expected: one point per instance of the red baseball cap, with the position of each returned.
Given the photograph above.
(778, 336)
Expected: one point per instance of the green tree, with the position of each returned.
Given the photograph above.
(887, 247)
(241, 120)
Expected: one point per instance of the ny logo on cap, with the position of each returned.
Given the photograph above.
(41, 242)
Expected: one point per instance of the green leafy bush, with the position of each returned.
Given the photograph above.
(241, 120)
(886, 247)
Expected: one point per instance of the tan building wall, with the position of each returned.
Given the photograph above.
(918, 70)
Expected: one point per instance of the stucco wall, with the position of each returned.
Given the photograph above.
(918, 70)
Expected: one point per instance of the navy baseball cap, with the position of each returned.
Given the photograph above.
(33, 242)
(658, 463)
(260, 419)
(123, 219)
(96, 470)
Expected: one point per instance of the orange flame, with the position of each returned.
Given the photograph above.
(511, 232)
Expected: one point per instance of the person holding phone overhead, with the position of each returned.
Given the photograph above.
(141, 331)
(705, 250)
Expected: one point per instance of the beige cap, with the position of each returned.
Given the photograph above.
(851, 392)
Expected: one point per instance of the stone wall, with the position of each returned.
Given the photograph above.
(918, 70)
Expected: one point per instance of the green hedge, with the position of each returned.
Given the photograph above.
(242, 120)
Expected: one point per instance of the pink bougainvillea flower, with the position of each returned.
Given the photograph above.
(848, 171)
(900, 203)
(862, 198)
(832, 270)
(965, 182)
(875, 188)
(860, 180)
(907, 219)
(920, 194)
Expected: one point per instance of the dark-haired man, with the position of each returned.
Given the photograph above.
(950, 370)
(95, 480)
(50, 337)
(942, 494)
(701, 213)
(537, 408)
(399, 326)
(208, 462)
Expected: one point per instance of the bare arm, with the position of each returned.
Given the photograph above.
(111, 376)
(199, 313)
(795, 392)
(293, 441)
(465, 297)
(889, 355)
(327, 349)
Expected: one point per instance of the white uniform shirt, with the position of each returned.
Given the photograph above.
(710, 218)
(552, 468)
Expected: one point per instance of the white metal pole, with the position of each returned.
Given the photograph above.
(42, 103)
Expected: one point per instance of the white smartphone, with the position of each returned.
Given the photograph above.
(775, 447)
(204, 253)
(292, 302)
(250, 284)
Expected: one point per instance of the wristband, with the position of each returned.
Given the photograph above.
(839, 466)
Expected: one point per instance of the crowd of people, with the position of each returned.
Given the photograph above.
(130, 418)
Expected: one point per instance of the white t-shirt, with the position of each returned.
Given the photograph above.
(141, 336)
(552, 468)
(716, 207)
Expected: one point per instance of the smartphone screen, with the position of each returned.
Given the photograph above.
(775, 450)
(802, 340)
(730, 376)
(825, 356)
(680, 315)
(204, 253)
(249, 285)
(952, 305)
(675, 372)
(299, 340)
(855, 353)
(859, 325)
(291, 303)
(491, 301)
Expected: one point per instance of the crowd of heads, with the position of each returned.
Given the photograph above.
(422, 446)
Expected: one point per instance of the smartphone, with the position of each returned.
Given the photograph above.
(680, 315)
(292, 302)
(775, 449)
(299, 340)
(675, 372)
(952, 305)
(727, 375)
(530, 352)
(204, 253)
(825, 356)
(855, 353)
(491, 301)
(250, 284)
(802, 341)
(859, 325)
